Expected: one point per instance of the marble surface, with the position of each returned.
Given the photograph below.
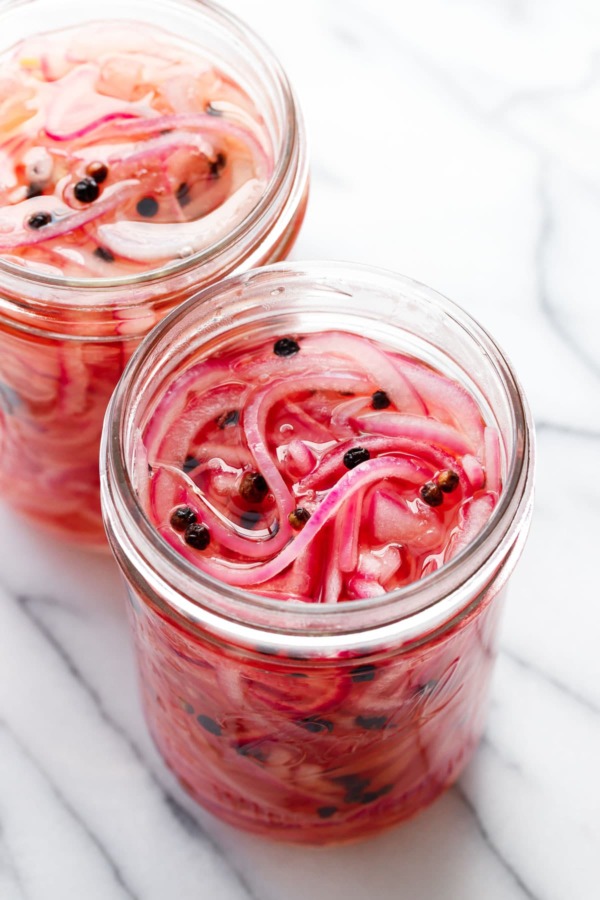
(458, 143)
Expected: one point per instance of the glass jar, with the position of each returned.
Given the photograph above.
(311, 722)
(65, 341)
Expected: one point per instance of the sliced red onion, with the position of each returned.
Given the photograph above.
(380, 565)
(301, 456)
(492, 459)
(68, 110)
(67, 223)
(417, 427)
(447, 400)
(371, 359)
(348, 553)
(258, 407)
(360, 588)
(395, 521)
(473, 471)
(331, 463)
(332, 580)
(170, 487)
(366, 473)
(340, 419)
(152, 241)
(473, 517)
(193, 414)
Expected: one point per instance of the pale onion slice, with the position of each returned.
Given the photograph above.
(493, 477)
(417, 427)
(371, 359)
(69, 110)
(395, 521)
(151, 242)
(66, 220)
(473, 518)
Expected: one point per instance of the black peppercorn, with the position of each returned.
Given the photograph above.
(229, 418)
(147, 207)
(380, 400)
(324, 812)
(86, 190)
(197, 536)
(298, 517)
(432, 494)
(316, 725)
(38, 220)
(182, 517)
(105, 254)
(366, 672)
(183, 194)
(253, 487)
(34, 190)
(190, 463)
(210, 725)
(97, 171)
(355, 456)
(217, 165)
(285, 347)
(448, 481)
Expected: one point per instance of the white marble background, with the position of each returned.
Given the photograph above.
(457, 141)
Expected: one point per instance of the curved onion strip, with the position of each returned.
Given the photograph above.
(340, 418)
(194, 415)
(473, 471)
(418, 427)
(171, 487)
(197, 380)
(268, 368)
(150, 241)
(332, 461)
(348, 553)
(473, 517)
(112, 198)
(353, 481)
(203, 123)
(371, 359)
(492, 459)
(157, 149)
(71, 99)
(447, 399)
(332, 577)
(255, 422)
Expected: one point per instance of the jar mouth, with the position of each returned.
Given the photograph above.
(186, 591)
(284, 155)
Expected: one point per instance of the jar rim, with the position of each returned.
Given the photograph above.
(444, 593)
(284, 159)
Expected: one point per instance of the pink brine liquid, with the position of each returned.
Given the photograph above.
(122, 149)
(316, 469)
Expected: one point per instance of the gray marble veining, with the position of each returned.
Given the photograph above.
(457, 143)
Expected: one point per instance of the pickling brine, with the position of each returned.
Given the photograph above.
(121, 149)
(136, 165)
(319, 467)
(309, 496)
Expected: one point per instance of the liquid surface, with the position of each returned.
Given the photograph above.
(318, 467)
(121, 149)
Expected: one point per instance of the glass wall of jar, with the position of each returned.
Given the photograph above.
(313, 721)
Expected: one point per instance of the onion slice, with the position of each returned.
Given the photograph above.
(355, 480)
(150, 242)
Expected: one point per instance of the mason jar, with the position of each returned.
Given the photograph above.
(315, 722)
(65, 338)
